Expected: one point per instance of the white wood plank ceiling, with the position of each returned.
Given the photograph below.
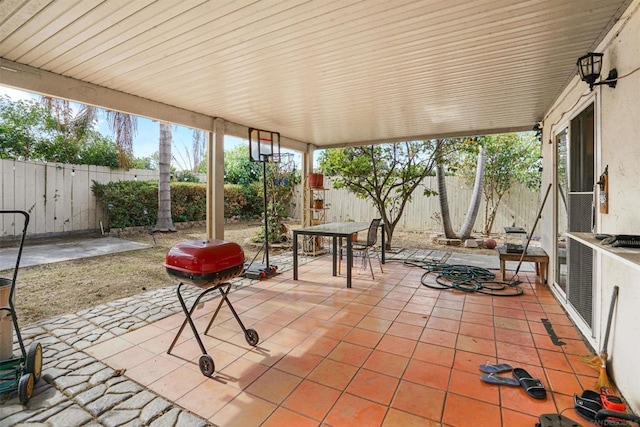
(320, 71)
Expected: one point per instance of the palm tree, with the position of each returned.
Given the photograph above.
(123, 125)
(445, 215)
(476, 196)
(164, 222)
(65, 121)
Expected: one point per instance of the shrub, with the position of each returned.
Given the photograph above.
(234, 200)
(188, 201)
(253, 195)
(128, 203)
(135, 203)
(185, 176)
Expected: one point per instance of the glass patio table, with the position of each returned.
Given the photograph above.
(337, 231)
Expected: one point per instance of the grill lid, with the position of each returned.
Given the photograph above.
(204, 256)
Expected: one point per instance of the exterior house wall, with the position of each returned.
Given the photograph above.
(617, 128)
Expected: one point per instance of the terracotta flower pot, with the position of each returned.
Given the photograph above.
(316, 180)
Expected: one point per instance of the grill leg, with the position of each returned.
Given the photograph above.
(233, 310)
(188, 319)
(215, 314)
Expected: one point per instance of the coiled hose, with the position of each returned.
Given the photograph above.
(466, 278)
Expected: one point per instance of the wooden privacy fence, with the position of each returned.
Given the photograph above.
(59, 200)
(57, 196)
(518, 207)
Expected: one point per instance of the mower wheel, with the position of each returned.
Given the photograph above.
(34, 361)
(25, 388)
(252, 337)
(206, 365)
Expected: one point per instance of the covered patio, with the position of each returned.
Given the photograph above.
(336, 74)
(386, 352)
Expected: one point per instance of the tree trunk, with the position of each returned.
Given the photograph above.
(445, 216)
(164, 223)
(476, 197)
(491, 217)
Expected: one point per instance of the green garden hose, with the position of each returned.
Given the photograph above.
(465, 278)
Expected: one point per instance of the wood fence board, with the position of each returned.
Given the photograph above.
(39, 217)
(2, 206)
(92, 211)
(8, 194)
(80, 201)
(50, 191)
(29, 194)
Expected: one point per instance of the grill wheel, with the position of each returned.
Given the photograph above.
(252, 337)
(206, 365)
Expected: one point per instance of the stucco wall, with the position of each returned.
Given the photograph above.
(618, 145)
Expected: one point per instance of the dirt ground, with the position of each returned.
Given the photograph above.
(67, 287)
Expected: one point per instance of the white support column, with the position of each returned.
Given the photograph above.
(307, 168)
(215, 181)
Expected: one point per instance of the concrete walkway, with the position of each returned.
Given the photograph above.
(65, 251)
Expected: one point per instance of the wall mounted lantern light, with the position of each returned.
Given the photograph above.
(590, 66)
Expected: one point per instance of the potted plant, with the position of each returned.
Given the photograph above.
(316, 180)
(318, 203)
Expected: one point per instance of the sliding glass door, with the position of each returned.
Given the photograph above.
(576, 211)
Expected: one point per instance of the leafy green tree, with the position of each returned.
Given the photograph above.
(185, 176)
(24, 125)
(282, 177)
(30, 131)
(100, 151)
(385, 174)
(510, 158)
(238, 169)
(202, 166)
(149, 162)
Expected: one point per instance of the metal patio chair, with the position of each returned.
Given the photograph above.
(366, 247)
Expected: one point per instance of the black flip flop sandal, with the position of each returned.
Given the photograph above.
(532, 386)
(587, 404)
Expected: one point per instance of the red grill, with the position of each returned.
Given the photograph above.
(209, 265)
(204, 263)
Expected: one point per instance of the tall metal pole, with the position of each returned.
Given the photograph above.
(266, 214)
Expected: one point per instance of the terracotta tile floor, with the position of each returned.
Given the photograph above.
(388, 352)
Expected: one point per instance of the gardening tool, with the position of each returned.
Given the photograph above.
(23, 372)
(515, 280)
(600, 361)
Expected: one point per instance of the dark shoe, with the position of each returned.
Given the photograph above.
(532, 386)
(588, 404)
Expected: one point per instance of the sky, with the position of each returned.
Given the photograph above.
(145, 142)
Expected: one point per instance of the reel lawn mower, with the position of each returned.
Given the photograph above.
(19, 373)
